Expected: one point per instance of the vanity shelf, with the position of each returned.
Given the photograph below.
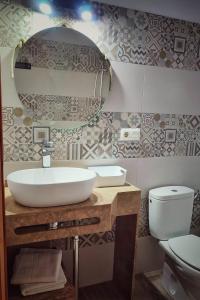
(27, 225)
(106, 206)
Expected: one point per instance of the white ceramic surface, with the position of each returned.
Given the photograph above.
(109, 175)
(170, 218)
(51, 186)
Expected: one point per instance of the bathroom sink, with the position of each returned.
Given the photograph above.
(51, 186)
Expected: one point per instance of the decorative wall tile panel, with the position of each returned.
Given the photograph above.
(193, 149)
(61, 56)
(181, 149)
(170, 135)
(91, 135)
(7, 116)
(106, 120)
(65, 151)
(143, 226)
(169, 149)
(147, 149)
(126, 150)
(125, 35)
(96, 239)
(8, 134)
(60, 108)
(161, 135)
(89, 151)
(66, 135)
(15, 23)
(104, 151)
(196, 213)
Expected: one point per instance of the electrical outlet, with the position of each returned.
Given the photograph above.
(130, 134)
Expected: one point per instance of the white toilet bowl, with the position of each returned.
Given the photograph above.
(170, 214)
(185, 253)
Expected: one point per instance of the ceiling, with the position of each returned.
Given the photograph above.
(181, 9)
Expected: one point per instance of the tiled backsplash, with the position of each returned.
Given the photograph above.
(162, 135)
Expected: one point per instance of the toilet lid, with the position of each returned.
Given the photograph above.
(187, 248)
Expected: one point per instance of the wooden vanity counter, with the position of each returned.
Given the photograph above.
(105, 204)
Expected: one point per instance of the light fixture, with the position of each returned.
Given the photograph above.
(85, 12)
(45, 8)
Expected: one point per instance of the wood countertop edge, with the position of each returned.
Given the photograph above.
(111, 193)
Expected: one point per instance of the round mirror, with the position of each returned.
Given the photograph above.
(62, 77)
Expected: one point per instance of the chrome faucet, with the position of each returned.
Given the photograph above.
(47, 149)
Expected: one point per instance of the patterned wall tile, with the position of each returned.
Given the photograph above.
(15, 24)
(193, 122)
(105, 121)
(61, 108)
(147, 134)
(89, 151)
(122, 34)
(126, 150)
(147, 149)
(196, 213)
(8, 134)
(104, 151)
(66, 151)
(23, 134)
(61, 135)
(7, 116)
(193, 149)
(91, 135)
(57, 55)
(170, 135)
(96, 239)
(169, 149)
(22, 152)
(143, 226)
(147, 120)
(181, 149)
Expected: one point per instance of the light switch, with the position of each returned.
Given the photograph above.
(130, 134)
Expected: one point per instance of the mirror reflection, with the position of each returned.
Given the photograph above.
(62, 77)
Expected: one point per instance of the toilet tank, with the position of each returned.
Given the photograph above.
(170, 211)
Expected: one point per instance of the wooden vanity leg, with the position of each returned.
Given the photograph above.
(125, 241)
(76, 265)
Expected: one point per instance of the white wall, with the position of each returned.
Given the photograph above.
(138, 88)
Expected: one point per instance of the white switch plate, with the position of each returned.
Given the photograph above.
(130, 134)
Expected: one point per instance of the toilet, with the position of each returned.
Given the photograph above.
(170, 215)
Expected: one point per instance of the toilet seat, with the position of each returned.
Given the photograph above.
(187, 248)
(183, 265)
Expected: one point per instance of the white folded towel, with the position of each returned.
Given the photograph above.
(37, 266)
(36, 288)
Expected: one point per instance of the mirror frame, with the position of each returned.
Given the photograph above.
(22, 42)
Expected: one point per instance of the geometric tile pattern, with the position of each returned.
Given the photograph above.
(57, 55)
(196, 212)
(61, 108)
(162, 135)
(123, 35)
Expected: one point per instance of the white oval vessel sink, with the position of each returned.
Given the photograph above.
(51, 186)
